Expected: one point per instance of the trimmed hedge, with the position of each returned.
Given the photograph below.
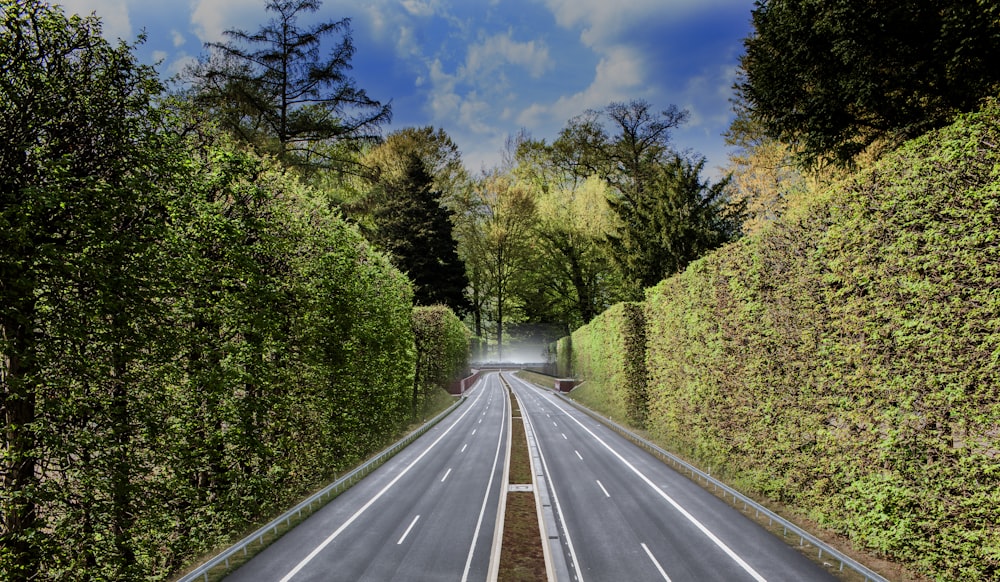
(442, 344)
(846, 360)
(609, 353)
(564, 356)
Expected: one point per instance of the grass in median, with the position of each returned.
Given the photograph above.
(521, 555)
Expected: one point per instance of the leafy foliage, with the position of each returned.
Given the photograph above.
(665, 213)
(493, 234)
(272, 89)
(415, 229)
(190, 338)
(659, 234)
(843, 360)
(442, 343)
(609, 353)
(833, 77)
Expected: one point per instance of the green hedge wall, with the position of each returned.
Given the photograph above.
(442, 343)
(190, 339)
(564, 356)
(846, 360)
(608, 353)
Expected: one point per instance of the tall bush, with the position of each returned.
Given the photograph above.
(564, 357)
(442, 343)
(190, 339)
(609, 353)
(844, 360)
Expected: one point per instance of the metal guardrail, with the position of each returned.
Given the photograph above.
(804, 537)
(320, 498)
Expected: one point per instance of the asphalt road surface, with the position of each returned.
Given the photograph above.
(624, 515)
(618, 514)
(429, 513)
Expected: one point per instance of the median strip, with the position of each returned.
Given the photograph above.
(522, 556)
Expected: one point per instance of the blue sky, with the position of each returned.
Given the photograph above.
(484, 69)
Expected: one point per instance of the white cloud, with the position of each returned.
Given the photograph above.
(113, 13)
(618, 76)
(499, 49)
(180, 63)
(177, 38)
(418, 8)
(210, 18)
(447, 107)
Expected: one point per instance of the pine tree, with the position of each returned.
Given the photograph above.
(272, 89)
(413, 227)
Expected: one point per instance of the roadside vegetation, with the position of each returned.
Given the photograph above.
(208, 284)
(191, 337)
(841, 358)
(842, 361)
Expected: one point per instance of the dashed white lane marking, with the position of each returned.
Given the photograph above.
(407, 532)
(599, 484)
(329, 539)
(677, 506)
(448, 472)
(474, 432)
(656, 563)
(578, 455)
(486, 496)
(465, 446)
(564, 435)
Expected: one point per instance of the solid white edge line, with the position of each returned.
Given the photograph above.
(482, 510)
(446, 473)
(656, 563)
(599, 484)
(407, 532)
(722, 545)
(329, 539)
(558, 506)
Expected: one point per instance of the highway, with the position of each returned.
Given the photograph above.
(429, 513)
(618, 513)
(624, 515)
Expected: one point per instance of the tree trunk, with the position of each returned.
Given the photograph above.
(122, 518)
(499, 323)
(17, 472)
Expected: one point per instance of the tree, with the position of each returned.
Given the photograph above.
(687, 217)
(434, 147)
(416, 231)
(80, 215)
(385, 166)
(495, 236)
(570, 276)
(832, 78)
(273, 90)
(665, 215)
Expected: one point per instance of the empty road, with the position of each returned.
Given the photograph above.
(429, 513)
(624, 515)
